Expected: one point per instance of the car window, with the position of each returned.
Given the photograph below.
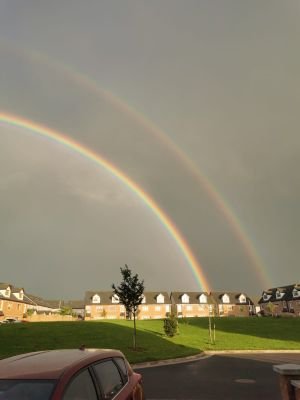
(81, 388)
(122, 367)
(109, 378)
(20, 389)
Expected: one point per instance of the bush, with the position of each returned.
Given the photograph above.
(171, 325)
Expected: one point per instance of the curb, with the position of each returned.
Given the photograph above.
(170, 361)
(207, 354)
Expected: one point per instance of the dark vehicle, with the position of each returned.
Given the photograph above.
(88, 374)
(10, 321)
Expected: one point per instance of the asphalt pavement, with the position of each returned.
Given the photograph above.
(222, 376)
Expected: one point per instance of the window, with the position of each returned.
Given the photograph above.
(296, 293)
(145, 308)
(32, 389)
(122, 367)
(144, 299)
(81, 387)
(115, 299)
(179, 307)
(225, 298)
(185, 298)
(266, 297)
(157, 308)
(203, 298)
(242, 298)
(96, 298)
(109, 378)
(160, 298)
(167, 308)
(189, 308)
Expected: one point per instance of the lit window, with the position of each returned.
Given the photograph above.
(96, 298)
(160, 299)
(185, 298)
(225, 299)
(203, 298)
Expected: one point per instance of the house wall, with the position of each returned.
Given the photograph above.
(233, 310)
(153, 311)
(282, 307)
(104, 311)
(192, 310)
(12, 309)
(295, 305)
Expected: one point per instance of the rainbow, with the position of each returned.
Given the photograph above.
(217, 198)
(58, 137)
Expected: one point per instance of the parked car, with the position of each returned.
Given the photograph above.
(10, 321)
(83, 374)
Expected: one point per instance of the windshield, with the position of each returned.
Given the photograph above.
(18, 389)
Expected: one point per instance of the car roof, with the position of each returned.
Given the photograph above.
(51, 364)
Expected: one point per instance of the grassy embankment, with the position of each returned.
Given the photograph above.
(231, 334)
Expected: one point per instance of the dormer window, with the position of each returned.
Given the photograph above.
(225, 299)
(203, 298)
(296, 293)
(185, 298)
(266, 296)
(279, 294)
(115, 299)
(96, 299)
(144, 299)
(242, 298)
(160, 298)
(7, 292)
(21, 295)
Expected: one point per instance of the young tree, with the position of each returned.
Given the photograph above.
(130, 293)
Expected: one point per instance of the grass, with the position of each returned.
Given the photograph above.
(231, 334)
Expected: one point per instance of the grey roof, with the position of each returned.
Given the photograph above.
(4, 285)
(74, 304)
(39, 301)
(194, 297)
(12, 297)
(286, 290)
(233, 297)
(106, 297)
(152, 296)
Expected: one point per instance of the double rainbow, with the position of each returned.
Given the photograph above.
(16, 121)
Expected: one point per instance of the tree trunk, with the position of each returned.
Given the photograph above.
(134, 332)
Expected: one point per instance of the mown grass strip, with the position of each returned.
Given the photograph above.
(231, 334)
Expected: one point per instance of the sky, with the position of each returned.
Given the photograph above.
(197, 102)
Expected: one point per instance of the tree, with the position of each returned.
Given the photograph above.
(130, 294)
(171, 325)
(65, 310)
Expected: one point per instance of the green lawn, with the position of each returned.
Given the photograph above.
(231, 334)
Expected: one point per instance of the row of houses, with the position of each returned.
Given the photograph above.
(96, 305)
(281, 300)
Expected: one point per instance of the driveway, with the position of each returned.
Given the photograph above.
(232, 377)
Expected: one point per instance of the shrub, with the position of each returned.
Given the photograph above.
(171, 325)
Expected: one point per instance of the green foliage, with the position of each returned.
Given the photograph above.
(130, 294)
(29, 312)
(171, 325)
(65, 311)
(233, 334)
(129, 291)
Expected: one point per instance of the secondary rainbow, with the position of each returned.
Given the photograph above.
(77, 147)
(217, 198)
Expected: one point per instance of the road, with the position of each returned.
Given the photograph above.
(232, 377)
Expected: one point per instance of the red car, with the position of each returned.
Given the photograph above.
(87, 374)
